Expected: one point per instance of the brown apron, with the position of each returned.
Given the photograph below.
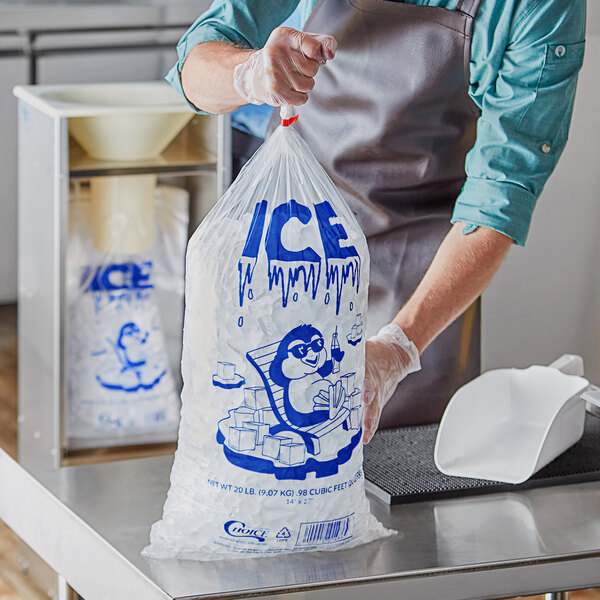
(391, 121)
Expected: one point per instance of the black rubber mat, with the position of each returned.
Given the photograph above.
(399, 466)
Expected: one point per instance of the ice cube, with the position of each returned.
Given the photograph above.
(348, 382)
(292, 454)
(256, 397)
(242, 414)
(354, 419)
(242, 439)
(317, 445)
(265, 415)
(226, 371)
(261, 429)
(272, 444)
(354, 400)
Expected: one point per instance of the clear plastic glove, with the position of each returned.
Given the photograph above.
(390, 357)
(282, 72)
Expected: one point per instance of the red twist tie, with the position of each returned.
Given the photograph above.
(288, 122)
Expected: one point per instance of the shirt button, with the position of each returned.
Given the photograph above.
(560, 51)
(546, 148)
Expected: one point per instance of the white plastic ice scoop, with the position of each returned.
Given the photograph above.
(509, 423)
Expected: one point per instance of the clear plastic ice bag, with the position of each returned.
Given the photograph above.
(121, 378)
(270, 451)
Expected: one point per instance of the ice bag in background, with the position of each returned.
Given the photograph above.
(172, 211)
(269, 458)
(120, 369)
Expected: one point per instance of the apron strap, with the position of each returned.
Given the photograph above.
(468, 7)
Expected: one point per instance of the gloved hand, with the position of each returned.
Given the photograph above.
(282, 71)
(390, 357)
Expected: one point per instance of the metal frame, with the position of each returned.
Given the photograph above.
(43, 176)
(43, 197)
(224, 156)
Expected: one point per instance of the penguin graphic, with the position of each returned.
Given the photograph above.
(135, 373)
(130, 340)
(299, 370)
(301, 361)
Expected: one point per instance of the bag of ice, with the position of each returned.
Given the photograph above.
(270, 452)
(121, 385)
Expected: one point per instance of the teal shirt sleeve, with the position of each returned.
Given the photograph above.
(525, 58)
(526, 111)
(247, 24)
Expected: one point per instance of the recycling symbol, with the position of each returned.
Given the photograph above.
(284, 534)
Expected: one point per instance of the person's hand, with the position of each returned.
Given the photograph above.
(390, 357)
(282, 71)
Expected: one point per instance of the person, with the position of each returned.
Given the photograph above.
(439, 121)
(249, 123)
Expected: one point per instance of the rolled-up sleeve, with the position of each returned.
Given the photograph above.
(525, 118)
(247, 24)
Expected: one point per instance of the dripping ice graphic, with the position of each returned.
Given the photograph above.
(342, 261)
(249, 257)
(339, 273)
(299, 270)
(246, 268)
(286, 275)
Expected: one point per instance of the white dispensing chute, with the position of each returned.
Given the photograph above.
(123, 213)
(124, 130)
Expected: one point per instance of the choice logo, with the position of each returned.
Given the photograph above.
(240, 530)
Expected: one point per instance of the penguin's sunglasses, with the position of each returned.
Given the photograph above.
(301, 350)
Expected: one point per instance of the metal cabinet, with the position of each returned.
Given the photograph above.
(202, 147)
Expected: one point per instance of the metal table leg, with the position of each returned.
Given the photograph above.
(557, 596)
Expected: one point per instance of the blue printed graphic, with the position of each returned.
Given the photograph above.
(226, 377)
(287, 267)
(279, 428)
(336, 354)
(325, 532)
(356, 334)
(301, 353)
(292, 269)
(343, 262)
(135, 372)
(117, 283)
(249, 257)
(240, 530)
(284, 534)
(120, 276)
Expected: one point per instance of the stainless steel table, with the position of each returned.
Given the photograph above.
(90, 524)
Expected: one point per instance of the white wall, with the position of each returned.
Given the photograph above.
(545, 300)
